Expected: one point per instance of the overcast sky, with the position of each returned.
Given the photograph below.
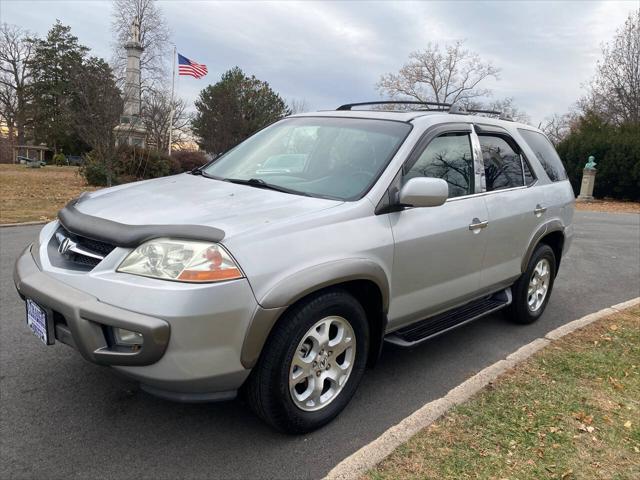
(334, 52)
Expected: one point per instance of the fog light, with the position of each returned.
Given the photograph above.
(127, 338)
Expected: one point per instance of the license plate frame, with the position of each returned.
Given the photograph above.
(39, 322)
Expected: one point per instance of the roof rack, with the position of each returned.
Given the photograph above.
(349, 106)
(441, 107)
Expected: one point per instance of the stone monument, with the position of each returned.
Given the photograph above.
(588, 180)
(131, 130)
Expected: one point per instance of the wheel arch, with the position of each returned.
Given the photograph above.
(552, 234)
(363, 279)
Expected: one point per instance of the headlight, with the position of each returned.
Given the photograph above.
(181, 260)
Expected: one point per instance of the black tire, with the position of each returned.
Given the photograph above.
(519, 310)
(267, 389)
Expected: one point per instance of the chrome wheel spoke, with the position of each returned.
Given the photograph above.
(320, 333)
(341, 347)
(300, 368)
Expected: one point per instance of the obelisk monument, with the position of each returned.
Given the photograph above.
(131, 130)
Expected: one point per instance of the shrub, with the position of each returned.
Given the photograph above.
(617, 153)
(59, 159)
(135, 163)
(187, 160)
(94, 171)
(129, 165)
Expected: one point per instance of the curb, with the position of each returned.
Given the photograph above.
(367, 457)
(23, 224)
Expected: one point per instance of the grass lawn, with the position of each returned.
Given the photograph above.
(33, 194)
(572, 411)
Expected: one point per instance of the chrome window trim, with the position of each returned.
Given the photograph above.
(482, 194)
(480, 182)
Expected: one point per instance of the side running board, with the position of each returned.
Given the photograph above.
(430, 327)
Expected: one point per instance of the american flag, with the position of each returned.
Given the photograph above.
(189, 67)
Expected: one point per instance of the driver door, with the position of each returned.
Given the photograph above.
(439, 251)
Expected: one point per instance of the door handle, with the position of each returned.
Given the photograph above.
(476, 224)
(539, 210)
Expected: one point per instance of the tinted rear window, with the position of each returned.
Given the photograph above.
(545, 153)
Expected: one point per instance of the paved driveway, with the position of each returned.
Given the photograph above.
(62, 417)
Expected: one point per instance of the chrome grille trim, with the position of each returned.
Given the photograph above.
(65, 244)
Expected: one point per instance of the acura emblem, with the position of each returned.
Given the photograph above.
(66, 245)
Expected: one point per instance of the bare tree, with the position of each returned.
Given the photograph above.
(156, 114)
(16, 50)
(297, 105)
(154, 37)
(449, 75)
(95, 107)
(556, 127)
(614, 93)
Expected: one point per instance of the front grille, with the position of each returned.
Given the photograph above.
(68, 250)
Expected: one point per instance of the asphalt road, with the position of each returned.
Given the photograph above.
(62, 417)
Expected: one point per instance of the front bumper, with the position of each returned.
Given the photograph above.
(80, 319)
(193, 335)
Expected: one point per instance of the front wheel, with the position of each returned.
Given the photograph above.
(532, 290)
(311, 364)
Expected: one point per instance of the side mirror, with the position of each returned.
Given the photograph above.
(424, 192)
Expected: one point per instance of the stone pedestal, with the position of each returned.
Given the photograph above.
(588, 182)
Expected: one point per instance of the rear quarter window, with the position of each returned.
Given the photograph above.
(545, 153)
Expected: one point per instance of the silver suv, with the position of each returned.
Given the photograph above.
(280, 268)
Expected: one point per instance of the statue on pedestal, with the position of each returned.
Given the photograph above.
(588, 180)
(591, 163)
(135, 30)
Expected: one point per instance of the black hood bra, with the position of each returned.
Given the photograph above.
(123, 235)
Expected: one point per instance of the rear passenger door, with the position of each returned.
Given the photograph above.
(514, 206)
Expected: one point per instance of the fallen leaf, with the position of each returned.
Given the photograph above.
(613, 327)
(567, 474)
(627, 424)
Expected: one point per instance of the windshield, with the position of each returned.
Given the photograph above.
(320, 156)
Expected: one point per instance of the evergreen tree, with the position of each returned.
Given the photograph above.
(233, 109)
(54, 61)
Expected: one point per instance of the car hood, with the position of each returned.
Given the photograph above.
(196, 200)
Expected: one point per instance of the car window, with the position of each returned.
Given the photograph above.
(448, 157)
(502, 165)
(529, 178)
(330, 157)
(545, 153)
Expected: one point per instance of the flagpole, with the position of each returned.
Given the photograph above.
(173, 84)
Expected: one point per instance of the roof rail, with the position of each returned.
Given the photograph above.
(441, 107)
(349, 106)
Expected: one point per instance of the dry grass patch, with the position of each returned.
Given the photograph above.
(570, 412)
(34, 194)
(610, 206)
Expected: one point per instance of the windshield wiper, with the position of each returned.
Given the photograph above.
(259, 183)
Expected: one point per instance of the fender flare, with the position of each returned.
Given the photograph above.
(545, 229)
(289, 290)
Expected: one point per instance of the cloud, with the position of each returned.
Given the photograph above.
(334, 52)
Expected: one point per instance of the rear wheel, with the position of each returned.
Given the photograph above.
(532, 290)
(311, 364)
